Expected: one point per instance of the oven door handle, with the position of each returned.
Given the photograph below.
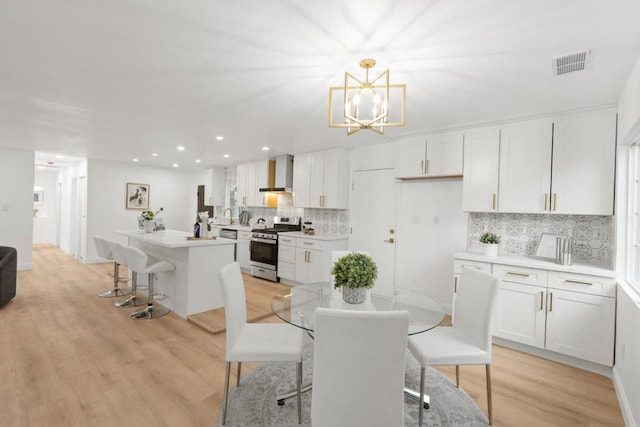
(268, 241)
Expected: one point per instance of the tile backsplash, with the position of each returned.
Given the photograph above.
(520, 234)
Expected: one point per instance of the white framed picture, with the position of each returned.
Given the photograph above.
(137, 196)
(547, 246)
(38, 197)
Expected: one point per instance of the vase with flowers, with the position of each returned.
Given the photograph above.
(490, 243)
(149, 219)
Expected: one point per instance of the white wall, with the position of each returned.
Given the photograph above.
(626, 372)
(431, 229)
(629, 107)
(45, 222)
(173, 189)
(16, 203)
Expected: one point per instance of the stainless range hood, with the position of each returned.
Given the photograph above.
(284, 175)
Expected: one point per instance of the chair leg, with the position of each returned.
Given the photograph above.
(421, 401)
(299, 387)
(226, 393)
(458, 376)
(489, 404)
(238, 374)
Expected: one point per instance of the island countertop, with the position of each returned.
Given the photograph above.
(172, 238)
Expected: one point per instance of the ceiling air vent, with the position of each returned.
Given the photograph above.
(573, 62)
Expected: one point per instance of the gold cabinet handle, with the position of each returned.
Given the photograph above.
(578, 282)
(550, 302)
(390, 240)
(493, 201)
(555, 201)
(455, 285)
(422, 167)
(546, 200)
(427, 167)
(307, 243)
(541, 300)
(515, 273)
(309, 257)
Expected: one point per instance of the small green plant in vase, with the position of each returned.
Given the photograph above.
(490, 244)
(354, 273)
(149, 216)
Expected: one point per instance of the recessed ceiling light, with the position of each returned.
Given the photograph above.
(154, 154)
(219, 138)
(197, 160)
(59, 156)
(135, 160)
(226, 156)
(265, 148)
(180, 148)
(175, 165)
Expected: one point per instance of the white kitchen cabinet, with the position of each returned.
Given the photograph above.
(309, 265)
(286, 257)
(250, 178)
(525, 166)
(564, 312)
(214, 186)
(307, 259)
(581, 316)
(520, 315)
(435, 155)
(243, 253)
(481, 166)
(584, 163)
(321, 179)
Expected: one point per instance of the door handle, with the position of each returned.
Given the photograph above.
(391, 240)
(550, 301)
(541, 299)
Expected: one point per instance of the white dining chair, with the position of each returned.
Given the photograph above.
(254, 342)
(358, 368)
(468, 340)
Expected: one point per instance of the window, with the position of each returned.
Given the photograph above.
(633, 274)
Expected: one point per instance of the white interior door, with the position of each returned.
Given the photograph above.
(373, 216)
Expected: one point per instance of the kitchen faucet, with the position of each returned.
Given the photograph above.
(230, 215)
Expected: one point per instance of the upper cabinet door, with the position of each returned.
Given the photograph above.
(481, 162)
(409, 157)
(431, 156)
(525, 166)
(214, 186)
(335, 193)
(241, 184)
(302, 180)
(444, 154)
(584, 163)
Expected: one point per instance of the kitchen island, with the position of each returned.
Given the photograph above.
(193, 287)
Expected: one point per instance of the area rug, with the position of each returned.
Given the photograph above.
(253, 404)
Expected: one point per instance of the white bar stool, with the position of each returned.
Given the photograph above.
(103, 247)
(134, 300)
(140, 262)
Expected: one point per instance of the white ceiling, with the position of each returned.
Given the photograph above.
(120, 79)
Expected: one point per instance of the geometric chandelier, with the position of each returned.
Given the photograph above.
(369, 104)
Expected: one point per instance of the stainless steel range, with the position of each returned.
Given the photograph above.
(264, 247)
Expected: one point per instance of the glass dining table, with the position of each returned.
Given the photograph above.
(298, 309)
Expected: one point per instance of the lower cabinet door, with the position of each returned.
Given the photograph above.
(581, 325)
(520, 315)
(244, 256)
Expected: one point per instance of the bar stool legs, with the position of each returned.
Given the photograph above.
(116, 291)
(151, 311)
(134, 300)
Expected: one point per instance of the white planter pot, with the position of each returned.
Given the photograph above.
(490, 249)
(149, 225)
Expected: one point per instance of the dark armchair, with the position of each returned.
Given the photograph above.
(8, 274)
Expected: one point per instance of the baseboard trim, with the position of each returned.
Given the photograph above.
(625, 406)
(556, 357)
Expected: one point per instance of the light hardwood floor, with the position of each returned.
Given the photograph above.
(68, 358)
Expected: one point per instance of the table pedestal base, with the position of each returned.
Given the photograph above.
(412, 394)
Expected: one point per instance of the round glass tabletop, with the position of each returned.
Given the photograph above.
(299, 306)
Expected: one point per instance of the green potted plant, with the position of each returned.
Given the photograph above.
(490, 243)
(354, 273)
(148, 217)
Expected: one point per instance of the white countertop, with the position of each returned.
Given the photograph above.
(172, 238)
(537, 263)
(323, 237)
